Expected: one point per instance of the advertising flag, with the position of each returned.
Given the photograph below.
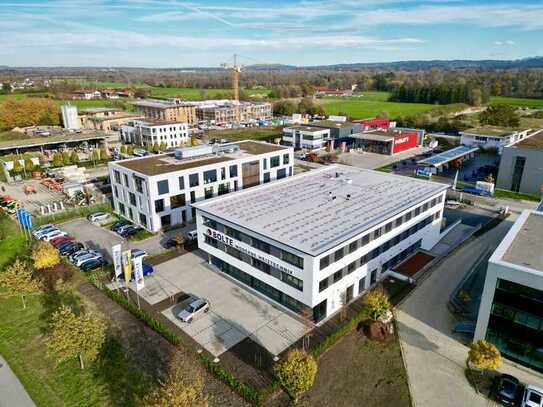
(18, 214)
(127, 265)
(117, 260)
(29, 221)
(25, 218)
(138, 273)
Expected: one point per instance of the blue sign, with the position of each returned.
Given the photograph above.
(18, 214)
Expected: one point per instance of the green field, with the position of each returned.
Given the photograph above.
(501, 100)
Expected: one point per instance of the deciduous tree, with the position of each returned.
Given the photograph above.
(484, 355)
(182, 389)
(44, 255)
(296, 372)
(74, 157)
(72, 336)
(57, 159)
(17, 280)
(28, 112)
(376, 303)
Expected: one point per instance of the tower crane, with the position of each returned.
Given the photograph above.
(236, 69)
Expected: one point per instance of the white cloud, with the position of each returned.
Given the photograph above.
(502, 43)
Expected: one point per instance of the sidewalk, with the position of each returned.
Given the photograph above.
(12, 392)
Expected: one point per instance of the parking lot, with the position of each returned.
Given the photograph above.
(235, 313)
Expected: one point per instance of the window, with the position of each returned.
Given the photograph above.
(193, 180)
(223, 173)
(373, 277)
(292, 281)
(261, 265)
(285, 159)
(282, 173)
(224, 188)
(131, 213)
(351, 267)
(121, 208)
(163, 187)
(323, 285)
(408, 216)
(139, 184)
(325, 262)
(233, 171)
(265, 163)
(417, 211)
(132, 198)
(117, 176)
(292, 259)
(260, 245)
(177, 201)
(425, 207)
(376, 233)
(338, 255)
(233, 233)
(116, 191)
(399, 221)
(192, 196)
(210, 176)
(125, 179)
(364, 240)
(337, 276)
(181, 183)
(388, 227)
(165, 220)
(208, 192)
(353, 246)
(266, 177)
(159, 205)
(143, 219)
(361, 285)
(518, 169)
(275, 162)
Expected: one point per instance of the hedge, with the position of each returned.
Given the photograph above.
(70, 214)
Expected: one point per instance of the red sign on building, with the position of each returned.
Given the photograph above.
(403, 142)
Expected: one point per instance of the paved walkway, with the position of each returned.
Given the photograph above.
(12, 392)
(435, 359)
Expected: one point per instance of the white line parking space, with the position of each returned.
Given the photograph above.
(235, 313)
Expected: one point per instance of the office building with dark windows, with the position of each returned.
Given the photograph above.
(511, 311)
(318, 240)
(158, 191)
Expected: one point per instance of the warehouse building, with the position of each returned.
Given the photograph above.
(385, 142)
(492, 137)
(155, 132)
(158, 191)
(306, 137)
(510, 315)
(521, 166)
(314, 242)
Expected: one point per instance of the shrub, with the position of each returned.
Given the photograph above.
(181, 389)
(376, 303)
(296, 373)
(44, 255)
(484, 355)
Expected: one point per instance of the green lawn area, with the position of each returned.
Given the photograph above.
(12, 241)
(504, 193)
(501, 100)
(253, 133)
(187, 93)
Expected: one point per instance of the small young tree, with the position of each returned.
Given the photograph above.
(44, 255)
(57, 159)
(17, 167)
(17, 280)
(182, 389)
(130, 150)
(296, 372)
(80, 336)
(74, 157)
(193, 140)
(66, 158)
(484, 355)
(95, 156)
(29, 165)
(376, 303)
(163, 146)
(123, 149)
(103, 154)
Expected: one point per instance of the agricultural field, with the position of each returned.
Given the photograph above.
(501, 100)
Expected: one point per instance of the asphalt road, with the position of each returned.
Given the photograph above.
(434, 358)
(12, 392)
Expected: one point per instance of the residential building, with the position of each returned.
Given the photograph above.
(106, 118)
(306, 137)
(155, 132)
(511, 311)
(492, 137)
(173, 111)
(324, 91)
(158, 191)
(222, 112)
(521, 166)
(314, 242)
(86, 94)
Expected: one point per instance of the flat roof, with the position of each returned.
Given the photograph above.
(46, 140)
(525, 248)
(333, 124)
(534, 142)
(375, 136)
(494, 131)
(154, 103)
(447, 156)
(301, 211)
(100, 109)
(166, 163)
(312, 129)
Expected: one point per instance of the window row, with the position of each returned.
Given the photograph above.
(276, 161)
(364, 240)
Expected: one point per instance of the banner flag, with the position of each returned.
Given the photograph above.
(19, 214)
(138, 273)
(117, 260)
(127, 265)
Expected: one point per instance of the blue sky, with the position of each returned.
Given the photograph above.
(175, 33)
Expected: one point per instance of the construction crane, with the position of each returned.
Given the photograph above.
(236, 69)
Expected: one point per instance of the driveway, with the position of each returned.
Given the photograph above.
(235, 313)
(434, 358)
(12, 392)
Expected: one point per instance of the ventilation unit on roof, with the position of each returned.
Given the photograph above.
(191, 152)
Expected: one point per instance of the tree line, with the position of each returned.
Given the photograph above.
(442, 94)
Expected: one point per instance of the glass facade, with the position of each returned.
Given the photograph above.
(515, 325)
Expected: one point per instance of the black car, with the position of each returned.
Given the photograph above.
(70, 248)
(508, 390)
(91, 265)
(129, 231)
(117, 225)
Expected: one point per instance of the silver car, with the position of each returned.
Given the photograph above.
(194, 309)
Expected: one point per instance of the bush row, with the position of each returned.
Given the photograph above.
(73, 213)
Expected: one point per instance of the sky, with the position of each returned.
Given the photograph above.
(176, 33)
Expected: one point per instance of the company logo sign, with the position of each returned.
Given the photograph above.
(248, 250)
(401, 140)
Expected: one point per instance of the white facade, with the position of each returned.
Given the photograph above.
(487, 141)
(315, 283)
(306, 137)
(145, 133)
(157, 191)
(70, 119)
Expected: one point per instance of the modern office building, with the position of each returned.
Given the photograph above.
(70, 119)
(316, 241)
(338, 129)
(173, 111)
(491, 137)
(388, 142)
(511, 311)
(306, 137)
(158, 191)
(521, 166)
(155, 132)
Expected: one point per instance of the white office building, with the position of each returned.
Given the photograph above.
(155, 132)
(306, 137)
(70, 118)
(157, 191)
(316, 241)
(491, 137)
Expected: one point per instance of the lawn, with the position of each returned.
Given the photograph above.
(501, 100)
(188, 93)
(12, 241)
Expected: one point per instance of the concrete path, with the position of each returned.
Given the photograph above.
(12, 392)
(434, 358)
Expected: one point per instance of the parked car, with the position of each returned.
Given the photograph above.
(134, 253)
(194, 309)
(147, 271)
(121, 228)
(38, 233)
(78, 261)
(507, 390)
(53, 234)
(130, 231)
(533, 397)
(74, 256)
(98, 216)
(192, 235)
(118, 225)
(57, 241)
(91, 265)
(69, 248)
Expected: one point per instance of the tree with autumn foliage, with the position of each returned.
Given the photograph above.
(28, 112)
(182, 389)
(17, 279)
(296, 373)
(75, 336)
(44, 255)
(484, 355)
(376, 303)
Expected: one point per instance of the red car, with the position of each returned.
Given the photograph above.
(57, 241)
